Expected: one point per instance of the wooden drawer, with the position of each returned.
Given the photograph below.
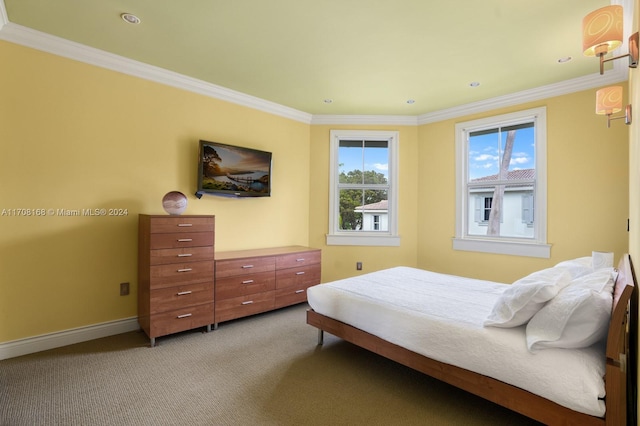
(241, 285)
(297, 259)
(290, 296)
(181, 224)
(187, 254)
(181, 239)
(252, 265)
(180, 273)
(301, 277)
(245, 305)
(181, 319)
(171, 298)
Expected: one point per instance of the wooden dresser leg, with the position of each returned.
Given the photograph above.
(320, 337)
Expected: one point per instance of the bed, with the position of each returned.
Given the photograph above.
(471, 334)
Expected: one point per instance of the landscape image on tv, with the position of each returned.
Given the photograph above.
(234, 170)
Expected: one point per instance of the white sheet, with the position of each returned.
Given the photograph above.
(441, 316)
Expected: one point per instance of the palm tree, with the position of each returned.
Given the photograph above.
(498, 192)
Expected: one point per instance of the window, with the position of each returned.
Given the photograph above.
(363, 188)
(482, 208)
(501, 184)
(376, 222)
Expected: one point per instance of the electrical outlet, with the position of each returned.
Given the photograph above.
(359, 266)
(124, 289)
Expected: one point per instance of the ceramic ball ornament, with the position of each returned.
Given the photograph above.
(174, 202)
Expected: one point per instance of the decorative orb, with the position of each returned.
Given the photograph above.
(174, 202)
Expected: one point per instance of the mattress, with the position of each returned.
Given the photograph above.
(441, 317)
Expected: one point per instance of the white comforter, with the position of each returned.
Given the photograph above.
(441, 316)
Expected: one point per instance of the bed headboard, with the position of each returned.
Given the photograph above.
(622, 343)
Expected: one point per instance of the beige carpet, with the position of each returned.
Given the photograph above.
(262, 370)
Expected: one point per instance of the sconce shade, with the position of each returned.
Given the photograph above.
(609, 100)
(602, 31)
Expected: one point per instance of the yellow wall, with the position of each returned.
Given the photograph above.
(340, 261)
(587, 175)
(74, 136)
(634, 170)
(634, 183)
(634, 161)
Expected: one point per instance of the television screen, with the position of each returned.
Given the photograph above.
(233, 171)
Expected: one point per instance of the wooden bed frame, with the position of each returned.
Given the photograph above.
(620, 376)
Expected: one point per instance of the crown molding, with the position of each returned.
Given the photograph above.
(381, 120)
(28, 37)
(617, 75)
(58, 46)
(557, 89)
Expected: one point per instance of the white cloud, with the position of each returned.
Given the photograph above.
(519, 160)
(485, 157)
(380, 166)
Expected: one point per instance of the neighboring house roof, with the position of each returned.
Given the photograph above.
(512, 175)
(380, 205)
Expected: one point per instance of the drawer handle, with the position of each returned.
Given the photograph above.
(185, 224)
(300, 273)
(299, 291)
(247, 266)
(300, 259)
(248, 302)
(247, 282)
(185, 270)
(184, 316)
(185, 240)
(184, 293)
(185, 255)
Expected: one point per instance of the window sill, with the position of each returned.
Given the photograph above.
(363, 240)
(503, 247)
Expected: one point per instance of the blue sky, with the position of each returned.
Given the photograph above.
(376, 159)
(485, 152)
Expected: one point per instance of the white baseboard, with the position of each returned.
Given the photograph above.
(67, 337)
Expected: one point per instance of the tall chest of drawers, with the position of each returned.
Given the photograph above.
(175, 273)
(254, 281)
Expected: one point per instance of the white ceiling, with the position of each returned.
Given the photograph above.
(369, 57)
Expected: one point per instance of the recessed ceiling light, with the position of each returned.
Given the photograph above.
(130, 18)
(411, 101)
(328, 101)
(474, 84)
(564, 59)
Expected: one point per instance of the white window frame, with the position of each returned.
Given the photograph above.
(337, 236)
(534, 247)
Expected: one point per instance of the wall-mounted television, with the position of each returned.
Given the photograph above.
(233, 171)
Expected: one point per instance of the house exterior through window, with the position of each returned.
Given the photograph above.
(517, 205)
(363, 188)
(375, 217)
(501, 184)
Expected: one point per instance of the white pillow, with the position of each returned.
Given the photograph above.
(577, 317)
(582, 261)
(599, 280)
(527, 296)
(577, 267)
(602, 259)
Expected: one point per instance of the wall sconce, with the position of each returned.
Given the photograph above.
(609, 102)
(602, 33)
